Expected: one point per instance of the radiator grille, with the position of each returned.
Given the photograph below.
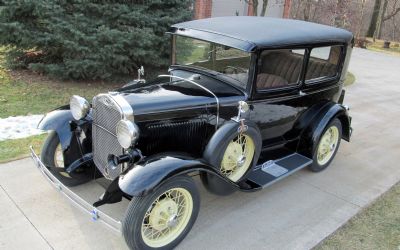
(106, 115)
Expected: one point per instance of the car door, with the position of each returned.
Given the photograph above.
(277, 101)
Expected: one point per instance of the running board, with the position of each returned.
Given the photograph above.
(272, 171)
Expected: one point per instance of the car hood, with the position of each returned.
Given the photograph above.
(178, 96)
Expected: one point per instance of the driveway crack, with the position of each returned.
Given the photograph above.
(41, 235)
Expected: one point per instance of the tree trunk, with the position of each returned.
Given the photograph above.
(394, 28)
(307, 10)
(264, 8)
(361, 19)
(382, 20)
(374, 19)
(255, 7)
(379, 20)
(340, 13)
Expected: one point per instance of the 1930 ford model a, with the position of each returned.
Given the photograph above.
(247, 101)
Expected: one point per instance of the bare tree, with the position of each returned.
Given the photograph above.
(374, 18)
(393, 13)
(254, 5)
(393, 17)
(264, 8)
(361, 18)
(380, 22)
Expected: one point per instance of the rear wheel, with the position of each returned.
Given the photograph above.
(327, 147)
(162, 219)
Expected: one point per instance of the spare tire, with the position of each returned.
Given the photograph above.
(233, 152)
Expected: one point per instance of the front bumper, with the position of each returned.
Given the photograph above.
(95, 214)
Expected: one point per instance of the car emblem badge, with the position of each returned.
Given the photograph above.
(107, 102)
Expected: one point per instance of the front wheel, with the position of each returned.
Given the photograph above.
(162, 219)
(53, 158)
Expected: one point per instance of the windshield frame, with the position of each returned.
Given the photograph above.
(243, 86)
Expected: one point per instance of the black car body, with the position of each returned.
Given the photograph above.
(247, 101)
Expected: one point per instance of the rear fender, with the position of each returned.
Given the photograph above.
(310, 136)
(58, 120)
(145, 176)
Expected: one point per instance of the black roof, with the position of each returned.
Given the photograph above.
(249, 33)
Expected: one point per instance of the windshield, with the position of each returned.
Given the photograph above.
(228, 61)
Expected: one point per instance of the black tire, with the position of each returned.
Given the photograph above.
(47, 157)
(138, 206)
(316, 167)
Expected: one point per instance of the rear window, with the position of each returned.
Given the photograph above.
(323, 62)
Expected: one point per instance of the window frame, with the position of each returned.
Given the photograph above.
(213, 55)
(278, 91)
(325, 79)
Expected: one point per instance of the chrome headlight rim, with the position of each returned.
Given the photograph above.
(127, 133)
(79, 107)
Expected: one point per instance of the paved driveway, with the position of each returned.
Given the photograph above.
(295, 213)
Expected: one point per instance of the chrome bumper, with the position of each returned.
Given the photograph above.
(95, 214)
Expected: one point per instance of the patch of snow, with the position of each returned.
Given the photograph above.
(15, 127)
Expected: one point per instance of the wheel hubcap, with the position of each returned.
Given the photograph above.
(167, 217)
(327, 145)
(237, 158)
(164, 214)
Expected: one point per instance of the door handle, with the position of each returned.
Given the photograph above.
(301, 93)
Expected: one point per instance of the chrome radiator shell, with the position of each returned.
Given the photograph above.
(107, 111)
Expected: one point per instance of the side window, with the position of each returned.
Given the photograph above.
(323, 62)
(279, 68)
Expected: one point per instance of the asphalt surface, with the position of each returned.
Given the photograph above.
(296, 213)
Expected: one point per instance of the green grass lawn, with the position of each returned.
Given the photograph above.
(19, 148)
(378, 46)
(23, 92)
(375, 227)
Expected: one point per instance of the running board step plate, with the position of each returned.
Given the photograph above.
(271, 171)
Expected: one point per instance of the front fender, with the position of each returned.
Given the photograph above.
(58, 120)
(147, 175)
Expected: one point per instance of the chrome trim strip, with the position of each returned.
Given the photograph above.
(74, 198)
(125, 107)
(202, 87)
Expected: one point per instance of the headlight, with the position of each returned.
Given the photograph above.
(127, 133)
(79, 107)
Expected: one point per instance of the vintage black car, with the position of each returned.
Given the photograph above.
(247, 102)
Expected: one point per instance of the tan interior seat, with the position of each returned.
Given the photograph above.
(319, 68)
(265, 81)
(280, 68)
(285, 64)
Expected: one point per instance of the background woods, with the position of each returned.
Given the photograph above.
(372, 18)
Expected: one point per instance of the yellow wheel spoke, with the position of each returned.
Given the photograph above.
(167, 217)
(238, 157)
(327, 145)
